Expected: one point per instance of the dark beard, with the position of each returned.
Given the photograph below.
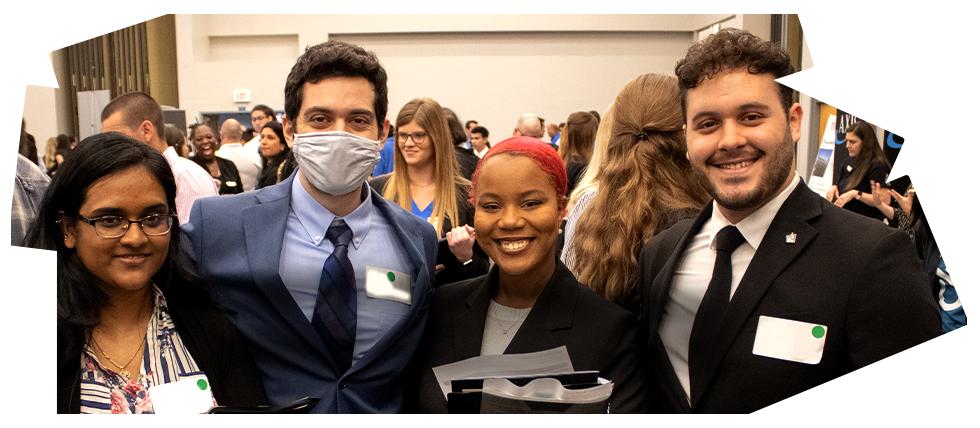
(772, 180)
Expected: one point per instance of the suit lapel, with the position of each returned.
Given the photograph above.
(661, 295)
(772, 257)
(469, 325)
(553, 310)
(410, 240)
(264, 229)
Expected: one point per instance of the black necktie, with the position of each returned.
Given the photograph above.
(335, 310)
(713, 304)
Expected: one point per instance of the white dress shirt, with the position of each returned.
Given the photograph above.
(248, 162)
(193, 182)
(694, 271)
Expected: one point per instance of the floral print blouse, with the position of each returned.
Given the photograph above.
(165, 360)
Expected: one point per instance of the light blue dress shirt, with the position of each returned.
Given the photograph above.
(375, 244)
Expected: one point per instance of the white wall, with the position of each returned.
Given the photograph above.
(874, 39)
(491, 68)
(29, 34)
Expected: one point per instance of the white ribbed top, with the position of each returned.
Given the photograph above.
(502, 323)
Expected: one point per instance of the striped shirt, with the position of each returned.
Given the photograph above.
(165, 360)
(193, 183)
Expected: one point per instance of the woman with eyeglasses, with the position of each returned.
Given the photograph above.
(132, 315)
(426, 181)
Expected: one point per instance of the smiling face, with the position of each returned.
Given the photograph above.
(417, 152)
(740, 139)
(853, 144)
(204, 142)
(517, 216)
(124, 264)
(922, 151)
(269, 143)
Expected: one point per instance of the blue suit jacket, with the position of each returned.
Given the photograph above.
(236, 240)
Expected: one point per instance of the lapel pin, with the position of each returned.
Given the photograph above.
(791, 238)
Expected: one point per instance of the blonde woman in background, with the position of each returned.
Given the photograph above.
(426, 181)
(645, 186)
(49, 151)
(584, 192)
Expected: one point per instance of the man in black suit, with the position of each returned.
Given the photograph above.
(801, 291)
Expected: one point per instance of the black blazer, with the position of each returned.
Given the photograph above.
(598, 335)
(852, 274)
(454, 270)
(229, 174)
(218, 349)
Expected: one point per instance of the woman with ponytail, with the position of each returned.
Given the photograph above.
(645, 186)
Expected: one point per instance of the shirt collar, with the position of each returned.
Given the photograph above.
(316, 219)
(753, 227)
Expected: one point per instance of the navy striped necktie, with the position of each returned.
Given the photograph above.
(335, 311)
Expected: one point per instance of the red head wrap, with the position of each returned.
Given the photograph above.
(542, 153)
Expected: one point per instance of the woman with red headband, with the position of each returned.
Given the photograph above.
(529, 301)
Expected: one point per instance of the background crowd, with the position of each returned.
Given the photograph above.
(253, 264)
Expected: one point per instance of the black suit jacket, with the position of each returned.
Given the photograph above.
(852, 274)
(598, 335)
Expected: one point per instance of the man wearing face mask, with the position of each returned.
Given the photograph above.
(330, 283)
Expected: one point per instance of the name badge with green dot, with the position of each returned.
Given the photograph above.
(789, 340)
(389, 285)
(191, 394)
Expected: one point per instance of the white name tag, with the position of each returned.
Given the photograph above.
(389, 285)
(187, 396)
(789, 340)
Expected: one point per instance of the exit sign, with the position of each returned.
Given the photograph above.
(241, 96)
(842, 49)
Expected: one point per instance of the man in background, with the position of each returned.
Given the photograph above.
(139, 117)
(248, 162)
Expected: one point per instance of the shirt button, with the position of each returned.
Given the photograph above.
(343, 384)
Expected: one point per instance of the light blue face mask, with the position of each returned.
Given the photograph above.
(336, 162)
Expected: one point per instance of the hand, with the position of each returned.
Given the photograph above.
(903, 201)
(846, 197)
(440, 268)
(882, 200)
(461, 241)
(832, 193)
(881, 196)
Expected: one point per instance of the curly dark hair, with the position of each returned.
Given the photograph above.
(733, 49)
(337, 59)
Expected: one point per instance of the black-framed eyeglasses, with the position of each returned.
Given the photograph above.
(417, 137)
(114, 227)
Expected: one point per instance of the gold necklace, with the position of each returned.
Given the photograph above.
(122, 368)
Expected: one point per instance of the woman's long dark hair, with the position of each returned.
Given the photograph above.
(934, 192)
(270, 165)
(870, 154)
(81, 300)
